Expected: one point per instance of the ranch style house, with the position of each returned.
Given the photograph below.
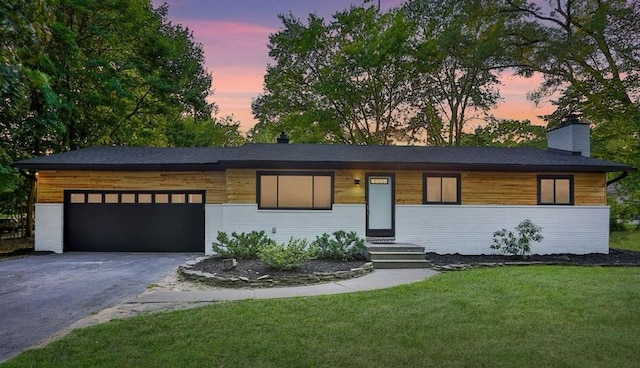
(445, 199)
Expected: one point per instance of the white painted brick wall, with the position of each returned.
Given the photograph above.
(212, 224)
(469, 229)
(49, 227)
(305, 224)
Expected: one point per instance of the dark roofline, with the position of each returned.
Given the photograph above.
(325, 165)
(121, 167)
(309, 156)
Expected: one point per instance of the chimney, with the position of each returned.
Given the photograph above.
(572, 135)
(283, 138)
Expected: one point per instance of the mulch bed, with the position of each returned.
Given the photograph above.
(253, 268)
(614, 258)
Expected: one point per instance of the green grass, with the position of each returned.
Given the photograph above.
(536, 316)
(629, 240)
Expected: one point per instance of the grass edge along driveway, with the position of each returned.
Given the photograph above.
(531, 316)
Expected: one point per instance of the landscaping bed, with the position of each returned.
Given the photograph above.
(616, 257)
(253, 273)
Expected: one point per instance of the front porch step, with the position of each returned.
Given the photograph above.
(396, 255)
(397, 263)
(381, 256)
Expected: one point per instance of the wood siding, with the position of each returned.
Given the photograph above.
(239, 185)
(51, 184)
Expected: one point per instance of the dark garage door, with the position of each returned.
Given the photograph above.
(134, 221)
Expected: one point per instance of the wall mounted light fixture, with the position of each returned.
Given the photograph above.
(356, 181)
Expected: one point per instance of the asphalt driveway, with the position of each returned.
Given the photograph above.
(41, 295)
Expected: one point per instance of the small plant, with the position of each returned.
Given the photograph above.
(343, 245)
(507, 242)
(287, 256)
(240, 246)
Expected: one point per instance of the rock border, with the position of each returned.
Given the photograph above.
(468, 266)
(186, 272)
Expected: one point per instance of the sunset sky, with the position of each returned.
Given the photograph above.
(235, 34)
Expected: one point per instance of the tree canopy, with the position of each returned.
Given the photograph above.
(78, 73)
(588, 53)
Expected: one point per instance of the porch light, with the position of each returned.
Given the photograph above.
(356, 181)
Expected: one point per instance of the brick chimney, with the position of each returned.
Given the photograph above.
(572, 135)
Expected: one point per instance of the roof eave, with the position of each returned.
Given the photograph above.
(121, 167)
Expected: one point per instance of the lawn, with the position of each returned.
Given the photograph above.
(629, 240)
(535, 316)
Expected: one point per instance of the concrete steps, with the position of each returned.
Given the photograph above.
(396, 255)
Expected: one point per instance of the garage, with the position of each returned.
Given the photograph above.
(134, 221)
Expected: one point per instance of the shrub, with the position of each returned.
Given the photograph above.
(507, 242)
(241, 246)
(343, 245)
(287, 256)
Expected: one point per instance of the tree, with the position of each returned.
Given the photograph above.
(458, 54)
(76, 73)
(589, 55)
(507, 133)
(368, 77)
(347, 81)
(188, 132)
(126, 72)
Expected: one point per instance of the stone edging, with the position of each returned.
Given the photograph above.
(468, 266)
(186, 272)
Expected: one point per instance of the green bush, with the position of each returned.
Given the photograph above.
(507, 242)
(343, 245)
(241, 246)
(287, 256)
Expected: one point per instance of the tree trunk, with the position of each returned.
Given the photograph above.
(30, 206)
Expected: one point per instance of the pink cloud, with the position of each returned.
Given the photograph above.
(231, 43)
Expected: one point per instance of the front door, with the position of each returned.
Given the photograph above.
(380, 197)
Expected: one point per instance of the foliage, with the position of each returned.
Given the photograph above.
(457, 53)
(420, 72)
(575, 315)
(343, 81)
(588, 53)
(628, 239)
(344, 246)
(287, 256)
(507, 133)
(241, 246)
(188, 132)
(111, 72)
(507, 242)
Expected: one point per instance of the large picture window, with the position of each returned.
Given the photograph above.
(295, 190)
(441, 188)
(555, 189)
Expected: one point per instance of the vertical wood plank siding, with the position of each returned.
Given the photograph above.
(52, 183)
(239, 185)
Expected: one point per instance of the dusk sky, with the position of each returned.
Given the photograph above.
(235, 34)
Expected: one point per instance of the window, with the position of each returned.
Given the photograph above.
(555, 189)
(441, 189)
(295, 190)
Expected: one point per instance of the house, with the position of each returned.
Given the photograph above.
(447, 199)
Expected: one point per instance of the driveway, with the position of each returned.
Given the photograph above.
(41, 295)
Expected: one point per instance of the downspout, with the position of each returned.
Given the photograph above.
(618, 178)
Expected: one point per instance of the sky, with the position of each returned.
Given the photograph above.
(235, 34)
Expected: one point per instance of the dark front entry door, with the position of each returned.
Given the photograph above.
(380, 197)
(140, 221)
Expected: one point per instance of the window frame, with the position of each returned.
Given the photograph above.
(312, 174)
(457, 176)
(555, 177)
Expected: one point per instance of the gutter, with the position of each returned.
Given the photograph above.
(618, 178)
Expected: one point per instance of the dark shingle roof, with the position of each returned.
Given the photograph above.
(321, 156)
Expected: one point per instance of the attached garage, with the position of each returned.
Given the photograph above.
(134, 221)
